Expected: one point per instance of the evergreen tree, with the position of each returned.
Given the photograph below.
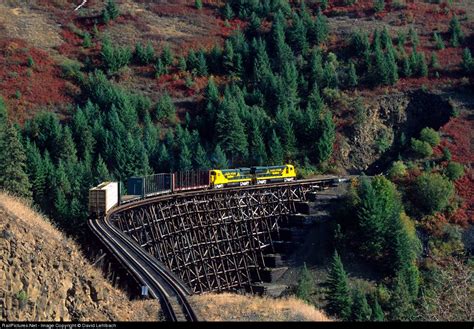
(305, 284)
(67, 146)
(455, 30)
(201, 64)
(415, 40)
(201, 160)
(400, 303)
(371, 220)
(36, 171)
(101, 173)
(165, 109)
(438, 41)
(167, 56)
(258, 155)
(467, 61)
(321, 29)
(297, 35)
(185, 159)
(379, 5)
(198, 4)
(218, 159)
(352, 76)
(13, 177)
(284, 129)
(377, 312)
(110, 12)
(230, 131)
(339, 300)
(360, 309)
(182, 66)
(316, 68)
(434, 63)
(324, 144)
(406, 67)
(276, 154)
(228, 12)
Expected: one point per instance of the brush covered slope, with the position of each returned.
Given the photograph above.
(45, 277)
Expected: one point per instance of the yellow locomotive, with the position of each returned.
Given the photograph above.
(254, 175)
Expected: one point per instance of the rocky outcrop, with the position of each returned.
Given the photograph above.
(363, 146)
(45, 277)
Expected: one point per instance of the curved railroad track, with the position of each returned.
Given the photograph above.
(161, 283)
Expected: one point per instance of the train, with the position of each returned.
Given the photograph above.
(108, 194)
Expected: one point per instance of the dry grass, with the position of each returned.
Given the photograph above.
(22, 23)
(233, 307)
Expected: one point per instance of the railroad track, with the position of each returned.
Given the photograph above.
(161, 283)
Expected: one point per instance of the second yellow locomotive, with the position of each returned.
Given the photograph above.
(255, 175)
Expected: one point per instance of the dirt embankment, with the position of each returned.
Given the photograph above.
(45, 277)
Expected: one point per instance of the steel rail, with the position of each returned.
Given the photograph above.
(162, 283)
(146, 270)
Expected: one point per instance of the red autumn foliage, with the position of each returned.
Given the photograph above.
(24, 88)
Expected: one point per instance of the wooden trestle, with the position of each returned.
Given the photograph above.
(213, 240)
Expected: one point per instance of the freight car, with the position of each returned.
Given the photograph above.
(158, 184)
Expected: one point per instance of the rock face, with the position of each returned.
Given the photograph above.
(387, 118)
(44, 276)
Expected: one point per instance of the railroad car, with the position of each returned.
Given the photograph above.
(273, 174)
(230, 177)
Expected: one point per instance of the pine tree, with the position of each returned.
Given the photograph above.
(101, 173)
(415, 40)
(219, 160)
(321, 29)
(167, 56)
(276, 154)
(467, 61)
(316, 68)
(371, 220)
(305, 284)
(185, 159)
(198, 4)
(379, 5)
(377, 312)
(438, 41)
(165, 109)
(324, 144)
(297, 35)
(284, 128)
(455, 30)
(258, 155)
(201, 64)
(182, 66)
(67, 147)
(400, 303)
(352, 76)
(200, 158)
(339, 299)
(228, 12)
(13, 177)
(230, 130)
(360, 309)
(110, 12)
(406, 67)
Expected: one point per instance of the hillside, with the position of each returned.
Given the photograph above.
(48, 279)
(45, 277)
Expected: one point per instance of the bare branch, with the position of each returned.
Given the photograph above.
(82, 4)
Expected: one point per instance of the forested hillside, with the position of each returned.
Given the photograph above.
(125, 88)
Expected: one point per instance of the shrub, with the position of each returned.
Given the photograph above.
(397, 170)
(430, 136)
(433, 192)
(30, 62)
(198, 4)
(87, 41)
(421, 148)
(454, 171)
(379, 5)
